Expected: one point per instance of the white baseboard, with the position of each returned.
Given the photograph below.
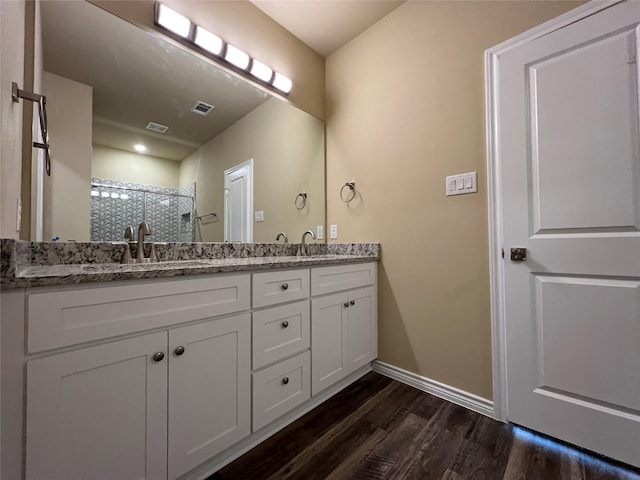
(441, 390)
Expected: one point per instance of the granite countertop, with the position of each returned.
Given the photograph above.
(34, 264)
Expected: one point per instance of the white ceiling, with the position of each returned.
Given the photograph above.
(327, 25)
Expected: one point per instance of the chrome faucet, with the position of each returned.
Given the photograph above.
(143, 230)
(283, 235)
(128, 233)
(304, 248)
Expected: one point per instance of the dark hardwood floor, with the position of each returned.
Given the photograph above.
(378, 428)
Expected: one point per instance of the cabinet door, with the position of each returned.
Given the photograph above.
(99, 412)
(329, 341)
(363, 327)
(209, 390)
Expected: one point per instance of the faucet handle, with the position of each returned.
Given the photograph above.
(126, 255)
(153, 257)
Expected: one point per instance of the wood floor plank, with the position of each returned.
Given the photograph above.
(378, 429)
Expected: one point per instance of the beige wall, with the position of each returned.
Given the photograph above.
(110, 163)
(67, 201)
(287, 148)
(405, 108)
(244, 25)
(12, 32)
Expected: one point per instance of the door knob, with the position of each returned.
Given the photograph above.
(518, 254)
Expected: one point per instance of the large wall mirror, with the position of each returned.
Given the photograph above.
(142, 128)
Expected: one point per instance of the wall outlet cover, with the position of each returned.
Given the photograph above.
(334, 231)
(320, 232)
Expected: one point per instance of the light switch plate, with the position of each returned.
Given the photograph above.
(461, 183)
(259, 216)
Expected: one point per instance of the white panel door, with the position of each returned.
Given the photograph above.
(238, 203)
(209, 390)
(570, 152)
(99, 412)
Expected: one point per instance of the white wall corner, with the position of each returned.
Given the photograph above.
(441, 390)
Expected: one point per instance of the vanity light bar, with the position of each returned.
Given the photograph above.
(208, 41)
(172, 21)
(237, 57)
(194, 34)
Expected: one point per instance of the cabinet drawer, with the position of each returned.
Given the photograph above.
(342, 277)
(270, 288)
(69, 317)
(279, 332)
(279, 388)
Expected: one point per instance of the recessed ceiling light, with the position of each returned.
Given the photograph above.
(208, 41)
(261, 71)
(138, 147)
(172, 21)
(236, 57)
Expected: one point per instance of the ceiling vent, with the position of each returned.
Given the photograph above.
(156, 127)
(202, 108)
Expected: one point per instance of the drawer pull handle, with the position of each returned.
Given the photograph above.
(285, 380)
(158, 356)
(284, 324)
(179, 350)
(346, 304)
(285, 286)
(352, 302)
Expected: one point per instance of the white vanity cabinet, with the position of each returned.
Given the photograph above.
(344, 325)
(167, 379)
(151, 406)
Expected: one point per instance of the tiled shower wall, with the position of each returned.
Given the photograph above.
(116, 205)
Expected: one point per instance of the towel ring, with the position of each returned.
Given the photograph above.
(351, 186)
(300, 204)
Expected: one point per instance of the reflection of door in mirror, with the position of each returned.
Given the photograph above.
(238, 203)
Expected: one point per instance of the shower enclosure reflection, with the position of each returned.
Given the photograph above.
(117, 205)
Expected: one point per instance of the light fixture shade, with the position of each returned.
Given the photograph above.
(282, 83)
(172, 21)
(138, 147)
(208, 41)
(261, 71)
(236, 57)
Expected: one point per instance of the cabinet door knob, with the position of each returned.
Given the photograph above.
(285, 380)
(346, 304)
(158, 356)
(179, 350)
(352, 302)
(284, 324)
(285, 286)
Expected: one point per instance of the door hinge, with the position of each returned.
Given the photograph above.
(502, 252)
